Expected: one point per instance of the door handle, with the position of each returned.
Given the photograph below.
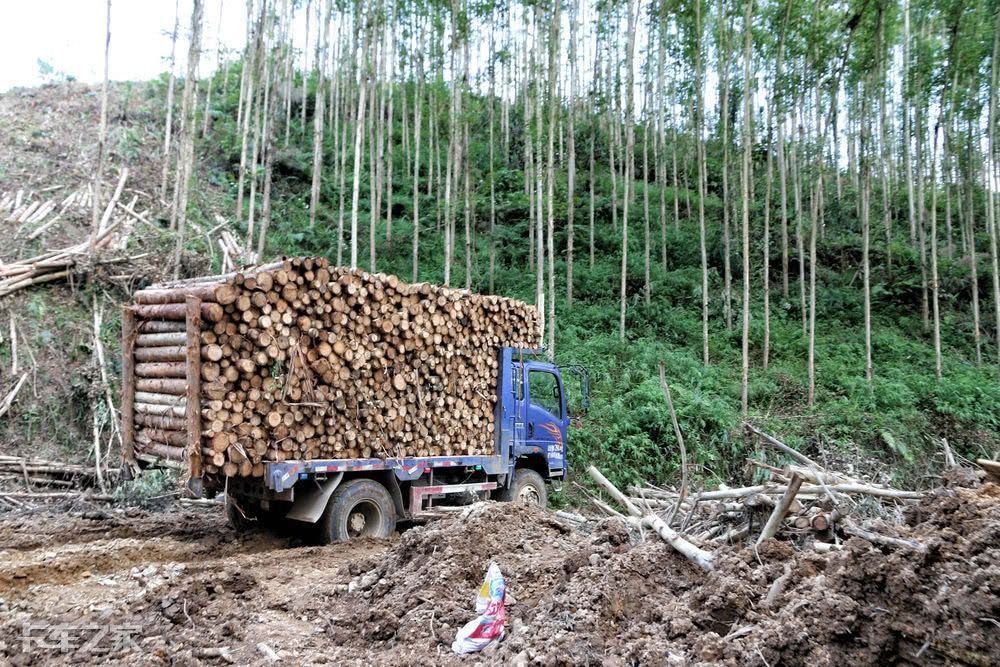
(531, 430)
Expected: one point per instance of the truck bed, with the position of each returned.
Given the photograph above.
(282, 476)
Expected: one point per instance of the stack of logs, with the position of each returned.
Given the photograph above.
(301, 360)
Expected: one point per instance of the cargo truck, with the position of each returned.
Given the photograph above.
(513, 455)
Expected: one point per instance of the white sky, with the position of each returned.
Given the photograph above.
(69, 36)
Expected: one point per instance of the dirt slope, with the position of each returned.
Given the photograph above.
(185, 583)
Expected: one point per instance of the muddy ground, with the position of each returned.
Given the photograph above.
(175, 585)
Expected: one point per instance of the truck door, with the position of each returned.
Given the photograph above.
(546, 418)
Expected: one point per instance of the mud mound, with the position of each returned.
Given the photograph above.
(583, 599)
(188, 586)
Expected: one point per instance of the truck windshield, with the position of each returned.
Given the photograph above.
(543, 391)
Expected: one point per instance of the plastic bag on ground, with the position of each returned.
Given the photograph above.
(488, 626)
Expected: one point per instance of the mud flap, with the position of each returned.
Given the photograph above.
(311, 501)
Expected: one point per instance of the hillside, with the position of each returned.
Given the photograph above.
(890, 429)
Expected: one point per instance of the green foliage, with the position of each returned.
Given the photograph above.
(894, 419)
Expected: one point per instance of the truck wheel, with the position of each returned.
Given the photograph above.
(528, 488)
(358, 508)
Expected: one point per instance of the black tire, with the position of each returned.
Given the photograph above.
(528, 488)
(358, 508)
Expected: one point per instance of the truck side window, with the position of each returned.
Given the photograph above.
(543, 389)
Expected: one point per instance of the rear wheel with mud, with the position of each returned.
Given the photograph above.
(358, 508)
(527, 488)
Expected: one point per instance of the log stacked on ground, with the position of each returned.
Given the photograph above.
(301, 360)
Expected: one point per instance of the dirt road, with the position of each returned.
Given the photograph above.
(175, 587)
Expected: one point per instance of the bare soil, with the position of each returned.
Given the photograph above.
(184, 582)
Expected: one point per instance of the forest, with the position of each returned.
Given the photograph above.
(791, 206)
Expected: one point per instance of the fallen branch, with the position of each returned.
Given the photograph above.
(680, 443)
(780, 510)
(701, 558)
(885, 540)
(52, 495)
(9, 398)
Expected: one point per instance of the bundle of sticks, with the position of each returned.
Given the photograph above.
(58, 264)
(42, 472)
(301, 360)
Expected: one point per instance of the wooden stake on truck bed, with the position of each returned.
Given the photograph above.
(128, 386)
(194, 384)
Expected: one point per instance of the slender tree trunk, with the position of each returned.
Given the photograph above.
(571, 147)
(186, 161)
(934, 263)
(727, 271)
(632, 9)
(702, 178)
(989, 188)
(102, 133)
(168, 125)
(907, 131)
(318, 117)
(745, 194)
(305, 63)
(247, 91)
(359, 127)
(973, 257)
(646, 288)
(206, 116)
(417, 129)
(865, 162)
(389, 134)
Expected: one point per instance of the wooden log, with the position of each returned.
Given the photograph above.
(161, 370)
(161, 450)
(207, 293)
(826, 547)
(160, 399)
(780, 510)
(992, 468)
(162, 339)
(177, 353)
(172, 438)
(163, 423)
(160, 326)
(877, 538)
(161, 410)
(194, 311)
(210, 312)
(868, 490)
(250, 270)
(162, 385)
(128, 387)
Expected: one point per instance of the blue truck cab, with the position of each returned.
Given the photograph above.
(346, 498)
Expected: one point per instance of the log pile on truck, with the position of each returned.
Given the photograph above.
(302, 360)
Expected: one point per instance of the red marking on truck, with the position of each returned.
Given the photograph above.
(553, 430)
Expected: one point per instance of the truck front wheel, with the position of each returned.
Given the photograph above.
(358, 508)
(527, 488)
